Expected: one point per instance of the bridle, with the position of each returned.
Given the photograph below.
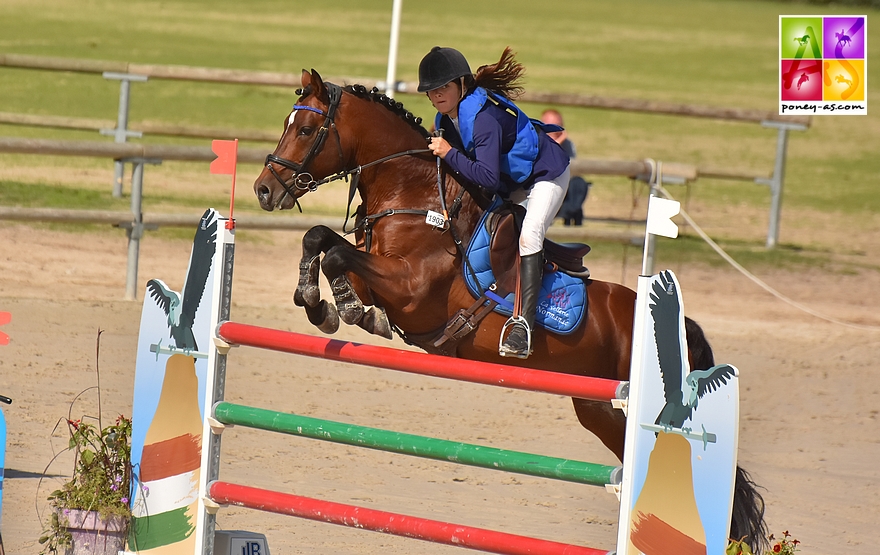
(302, 180)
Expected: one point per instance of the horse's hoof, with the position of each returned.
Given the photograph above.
(324, 317)
(307, 291)
(376, 322)
(308, 297)
(331, 319)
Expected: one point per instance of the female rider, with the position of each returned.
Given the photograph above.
(489, 141)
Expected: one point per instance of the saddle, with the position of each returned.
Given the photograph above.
(503, 224)
(490, 274)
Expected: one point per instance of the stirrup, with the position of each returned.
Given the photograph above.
(505, 351)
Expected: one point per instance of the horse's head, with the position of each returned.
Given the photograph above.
(303, 154)
(330, 135)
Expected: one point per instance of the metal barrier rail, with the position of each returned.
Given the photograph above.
(389, 523)
(424, 364)
(457, 452)
(119, 218)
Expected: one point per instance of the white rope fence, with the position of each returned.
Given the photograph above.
(755, 278)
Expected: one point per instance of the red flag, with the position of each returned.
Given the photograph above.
(227, 155)
(5, 318)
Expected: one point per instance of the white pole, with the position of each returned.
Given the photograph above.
(391, 77)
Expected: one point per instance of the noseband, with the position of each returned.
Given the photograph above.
(302, 179)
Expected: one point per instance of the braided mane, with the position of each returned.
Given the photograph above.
(396, 107)
(378, 97)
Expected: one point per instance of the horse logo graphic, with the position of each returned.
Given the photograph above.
(842, 79)
(803, 79)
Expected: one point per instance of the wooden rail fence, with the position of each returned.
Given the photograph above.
(136, 222)
(127, 72)
(217, 75)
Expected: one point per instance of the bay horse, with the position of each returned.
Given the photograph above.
(411, 272)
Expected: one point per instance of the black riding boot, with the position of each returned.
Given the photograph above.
(518, 341)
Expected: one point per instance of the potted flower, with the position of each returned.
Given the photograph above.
(90, 513)
(786, 546)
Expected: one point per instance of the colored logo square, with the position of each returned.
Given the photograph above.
(844, 37)
(800, 37)
(801, 80)
(844, 79)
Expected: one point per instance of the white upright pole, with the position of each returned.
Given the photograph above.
(391, 77)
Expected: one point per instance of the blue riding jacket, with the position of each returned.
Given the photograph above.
(497, 146)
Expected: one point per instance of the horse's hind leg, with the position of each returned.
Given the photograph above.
(606, 422)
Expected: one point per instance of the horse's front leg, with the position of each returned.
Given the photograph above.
(355, 275)
(322, 314)
(351, 308)
(308, 293)
(317, 241)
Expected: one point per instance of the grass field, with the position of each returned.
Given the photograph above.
(717, 53)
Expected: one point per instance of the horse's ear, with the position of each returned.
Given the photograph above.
(306, 79)
(318, 86)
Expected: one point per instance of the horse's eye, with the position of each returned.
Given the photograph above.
(305, 131)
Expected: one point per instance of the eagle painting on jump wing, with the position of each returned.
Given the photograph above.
(681, 388)
(181, 309)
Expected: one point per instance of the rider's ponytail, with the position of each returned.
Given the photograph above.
(502, 77)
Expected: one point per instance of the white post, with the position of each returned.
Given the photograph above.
(391, 76)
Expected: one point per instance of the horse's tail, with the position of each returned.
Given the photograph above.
(699, 349)
(747, 520)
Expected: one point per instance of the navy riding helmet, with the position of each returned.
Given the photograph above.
(440, 66)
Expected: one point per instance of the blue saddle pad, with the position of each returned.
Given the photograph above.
(561, 302)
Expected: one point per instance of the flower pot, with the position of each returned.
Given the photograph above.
(93, 535)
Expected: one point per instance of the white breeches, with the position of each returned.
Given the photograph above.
(542, 203)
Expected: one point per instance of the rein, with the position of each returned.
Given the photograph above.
(303, 180)
(353, 184)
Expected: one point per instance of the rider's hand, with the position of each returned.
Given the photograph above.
(439, 147)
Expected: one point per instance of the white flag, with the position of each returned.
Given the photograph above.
(660, 213)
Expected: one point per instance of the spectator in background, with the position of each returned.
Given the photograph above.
(572, 209)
